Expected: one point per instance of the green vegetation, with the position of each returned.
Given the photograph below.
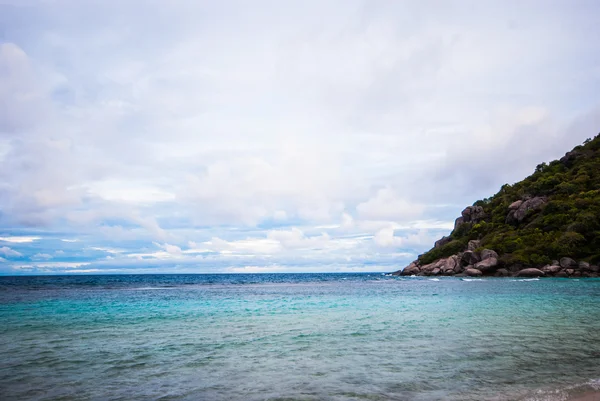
(567, 224)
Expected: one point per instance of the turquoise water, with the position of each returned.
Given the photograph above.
(297, 337)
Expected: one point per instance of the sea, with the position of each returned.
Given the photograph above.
(297, 337)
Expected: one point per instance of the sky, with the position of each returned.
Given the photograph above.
(275, 136)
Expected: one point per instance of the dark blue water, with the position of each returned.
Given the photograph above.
(297, 337)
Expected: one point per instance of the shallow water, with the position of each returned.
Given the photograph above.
(297, 337)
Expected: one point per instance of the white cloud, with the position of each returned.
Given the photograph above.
(7, 252)
(19, 239)
(387, 205)
(42, 256)
(386, 238)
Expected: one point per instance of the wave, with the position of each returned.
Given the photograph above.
(471, 279)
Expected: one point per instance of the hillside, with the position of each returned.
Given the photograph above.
(549, 222)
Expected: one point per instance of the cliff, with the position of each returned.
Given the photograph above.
(546, 225)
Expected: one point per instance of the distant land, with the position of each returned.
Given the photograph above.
(546, 225)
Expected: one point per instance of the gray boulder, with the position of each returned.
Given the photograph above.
(568, 263)
(441, 242)
(515, 205)
(449, 264)
(551, 269)
(473, 272)
(502, 273)
(585, 266)
(469, 258)
(488, 253)
(471, 214)
(458, 222)
(410, 270)
(518, 211)
(488, 265)
(531, 272)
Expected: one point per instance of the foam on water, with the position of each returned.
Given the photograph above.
(309, 337)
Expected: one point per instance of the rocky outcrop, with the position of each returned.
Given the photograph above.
(487, 263)
(441, 242)
(471, 214)
(475, 261)
(518, 210)
(410, 270)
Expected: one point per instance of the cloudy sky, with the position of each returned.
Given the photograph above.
(268, 136)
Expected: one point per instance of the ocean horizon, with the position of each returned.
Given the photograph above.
(305, 336)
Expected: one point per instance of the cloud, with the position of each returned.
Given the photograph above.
(42, 256)
(19, 239)
(7, 252)
(386, 205)
(386, 238)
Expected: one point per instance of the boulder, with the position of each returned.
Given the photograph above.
(594, 269)
(473, 244)
(488, 265)
(436, 271)
(561, 273)
(584, 266)
(518, 213)
(469, 258)
(410, 270)
(569, 272)
(488, 253)
(531, 272)
(459, 268)
(502, 273)
(555, 263)
(441, 242)
(473, 272)
(515, 205)
(449, 264)
(458, 222)
(471, 214)
(568, 263)
(551, 269)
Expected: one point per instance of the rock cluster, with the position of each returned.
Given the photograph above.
(518, 210)
(486, 263)
(468, 263)
(471, 214)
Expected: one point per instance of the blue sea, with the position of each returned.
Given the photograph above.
(297, 337)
